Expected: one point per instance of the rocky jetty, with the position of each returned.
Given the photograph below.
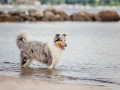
(52, 14)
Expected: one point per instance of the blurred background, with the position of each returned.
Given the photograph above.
(58, 2)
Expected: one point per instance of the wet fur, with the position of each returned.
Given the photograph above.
(46, 53)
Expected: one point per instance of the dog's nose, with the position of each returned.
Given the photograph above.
(65, 45)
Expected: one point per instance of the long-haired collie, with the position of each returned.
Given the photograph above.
(46, 53)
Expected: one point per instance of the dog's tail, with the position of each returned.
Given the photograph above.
(23, 36)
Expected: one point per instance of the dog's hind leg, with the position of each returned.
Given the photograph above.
(24, 58)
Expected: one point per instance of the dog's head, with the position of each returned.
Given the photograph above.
(60, 41)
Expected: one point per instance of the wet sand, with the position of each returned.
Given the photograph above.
(13, 83)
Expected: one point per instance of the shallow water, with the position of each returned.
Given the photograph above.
(92, 56)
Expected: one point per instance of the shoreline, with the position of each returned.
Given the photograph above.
(14, 83)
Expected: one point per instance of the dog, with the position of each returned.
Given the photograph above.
(47, 53)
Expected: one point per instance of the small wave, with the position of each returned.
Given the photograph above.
(104, 81)
(101, 80)
(10, 63)
(6, 62)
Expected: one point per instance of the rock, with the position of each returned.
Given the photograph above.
(108, 16)
(24, 17)
(97, 18)
(77, 17)
(44, 19)
(49, 16)
(57, 17)
(51, 9)
(88, 16)
(6, 17)
(59, 14)
(38, 15)
(18, 18)
(63, 15)
(32, 11)
(31, 19)
(1, 11)
(16, 12)
(83, 16)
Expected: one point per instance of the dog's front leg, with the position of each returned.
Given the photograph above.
(28, 63)
(52, 65)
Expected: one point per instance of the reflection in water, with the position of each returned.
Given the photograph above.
(39, 73)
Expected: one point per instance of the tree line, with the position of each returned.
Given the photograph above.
(82, 2)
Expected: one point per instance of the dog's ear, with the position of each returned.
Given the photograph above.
(57, 35)
(64, 35)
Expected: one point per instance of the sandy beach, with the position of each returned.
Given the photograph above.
(13, 83)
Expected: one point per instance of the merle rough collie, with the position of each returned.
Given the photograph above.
(46, 53)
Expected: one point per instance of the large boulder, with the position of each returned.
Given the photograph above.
(32, 11)
(24, 18)
(16, 12)
(18, 18)
(1, 11)
(57, 15)
(63, 15)
(49, 15)
(38, 15)
(83, 16)
(88, 16)
(77, 17)
(108, 16)
(31, 19)
(51, 9)
(44, 19)
(6, 17)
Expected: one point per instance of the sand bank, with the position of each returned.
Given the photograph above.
(13, 83)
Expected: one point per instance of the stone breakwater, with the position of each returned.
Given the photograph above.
(51, 14)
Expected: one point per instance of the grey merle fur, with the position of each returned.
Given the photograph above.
(33, 50)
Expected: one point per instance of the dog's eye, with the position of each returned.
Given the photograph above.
(25, 58)
(57, 40)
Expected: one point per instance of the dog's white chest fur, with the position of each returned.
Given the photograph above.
(56, 52)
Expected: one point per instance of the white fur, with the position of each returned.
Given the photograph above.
(25, 34)
(56, 54)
